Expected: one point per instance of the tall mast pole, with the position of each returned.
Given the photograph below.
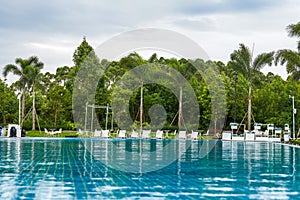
(141, 109)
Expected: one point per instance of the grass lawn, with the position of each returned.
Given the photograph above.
(294, 142)
(43, 134)
(112, 135)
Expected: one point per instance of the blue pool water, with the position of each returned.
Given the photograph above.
(90, 169)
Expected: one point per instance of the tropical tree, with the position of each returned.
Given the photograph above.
(289, 57)
(84, 77)
(62, 74)
(8, 104)
(294, 31)
(82, 51)
(243, 62)
(34, 78)
(28, 71)
(55, 102)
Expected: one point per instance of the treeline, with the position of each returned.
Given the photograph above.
(46, 98)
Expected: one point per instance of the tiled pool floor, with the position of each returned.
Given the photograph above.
(78, 169)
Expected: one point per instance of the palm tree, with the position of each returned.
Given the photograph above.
(289, 57)
(34, 78)
(243, 62)
(294, 31)
(28, 71)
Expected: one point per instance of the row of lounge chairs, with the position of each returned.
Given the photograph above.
(53, 132)
(146, 134)
(254, 136)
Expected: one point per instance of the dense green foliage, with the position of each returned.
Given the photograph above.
(53, 92)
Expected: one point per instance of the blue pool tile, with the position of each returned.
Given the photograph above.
(80, 169)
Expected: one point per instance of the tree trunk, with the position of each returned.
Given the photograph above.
(33, 109)
(56, 116)
(119, 120)
(4, 119)
(215, 125)
(23, 109)
(249, 109)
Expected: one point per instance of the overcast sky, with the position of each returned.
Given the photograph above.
(53, 29)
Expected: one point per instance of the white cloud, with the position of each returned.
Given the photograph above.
(53, 29)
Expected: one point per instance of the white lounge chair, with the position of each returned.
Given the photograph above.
(257, 133)
(159, 134)
(226, 135)
(105, 133)
(52, 133)
(58, 132)
(134, 134)
(207, 132)
(266, 133)
(97, 133)
(182, 135)
(194, 135)
(250, 136)
(122, 134)
(175, 132)
(80, 132)
(146, 134)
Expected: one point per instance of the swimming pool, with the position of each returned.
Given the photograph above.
(76, 169)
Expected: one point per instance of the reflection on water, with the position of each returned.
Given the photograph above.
(74, 168)
(270, 169)
(141, 156)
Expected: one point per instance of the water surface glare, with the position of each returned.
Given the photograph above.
(80, 169)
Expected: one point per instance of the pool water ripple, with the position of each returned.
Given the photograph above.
(78, 169)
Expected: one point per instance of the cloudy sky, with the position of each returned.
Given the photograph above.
(53, 29)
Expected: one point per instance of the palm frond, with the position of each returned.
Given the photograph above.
(21, 62)
(294, 30)
(34, 62)
(241, 60)
(296, 75)
(288, 57)
(245, 56)
(10, 68)
(262, 60)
